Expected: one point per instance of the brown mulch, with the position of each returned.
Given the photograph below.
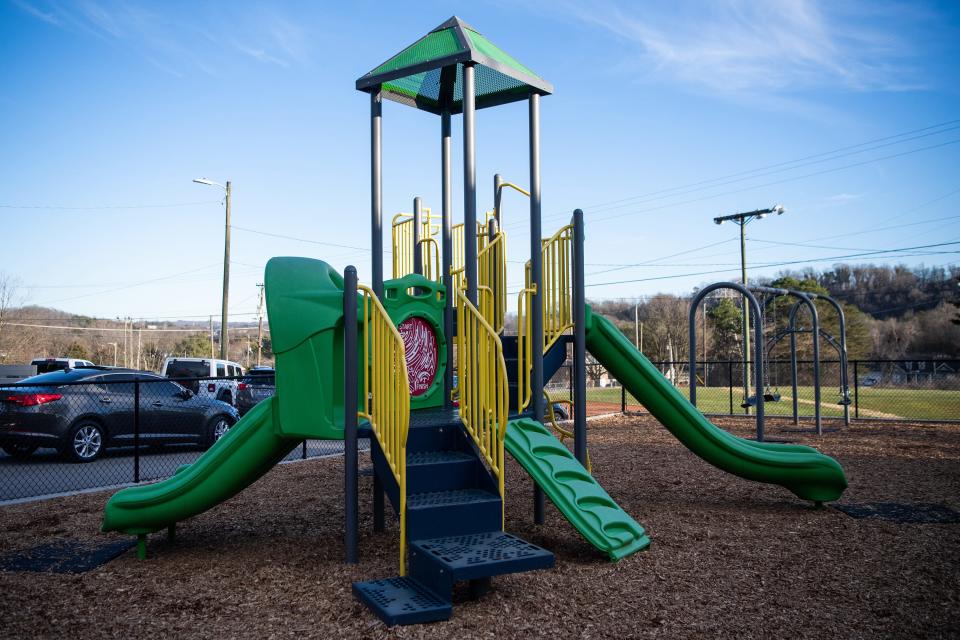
(729, 558)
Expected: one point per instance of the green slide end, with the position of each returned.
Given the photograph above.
(573, 490)
(243, 454)
(810, 475)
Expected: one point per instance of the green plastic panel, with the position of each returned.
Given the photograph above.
(579, 497)
(809, 474)
(250, 449)
(491, 50)
(416, 296)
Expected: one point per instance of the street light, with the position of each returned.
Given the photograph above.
(114, 344)
(742, 219)
(226, 263)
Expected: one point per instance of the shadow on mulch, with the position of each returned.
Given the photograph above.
(64, 556)
(904, 513)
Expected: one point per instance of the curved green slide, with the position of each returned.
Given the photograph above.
(579, 497)
(809, 474)
(305, 305)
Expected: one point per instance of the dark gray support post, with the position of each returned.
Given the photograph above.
(350, 454)
(856, 389)
(754, 307)
(816, 360)
(793, 362)
(376, 191)
(536, 276)
(417, 223)
(497, 181)
(580, 345)
(136, 433)
(730, 383)
(446, 183)
(844, 379)
(469, 183)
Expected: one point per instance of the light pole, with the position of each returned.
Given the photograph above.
(114, 344)
(226, 264)
(742, 219)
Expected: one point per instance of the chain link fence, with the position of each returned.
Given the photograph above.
(89, 429)
(901, 390)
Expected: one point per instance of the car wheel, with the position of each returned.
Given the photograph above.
(560, 412)
(20, 451)
(218, 428)
(84, 442)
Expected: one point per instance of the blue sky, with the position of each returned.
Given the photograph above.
(664, 116)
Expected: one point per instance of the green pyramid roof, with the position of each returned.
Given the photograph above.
(428, 74)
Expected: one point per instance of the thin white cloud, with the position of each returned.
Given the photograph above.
(180, 40)
(740, 46)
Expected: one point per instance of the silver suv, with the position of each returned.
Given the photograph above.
(220, 377)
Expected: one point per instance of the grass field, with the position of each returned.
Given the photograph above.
(874, 402)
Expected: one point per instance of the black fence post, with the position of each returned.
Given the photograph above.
(303, 454)
(136, 430)
(730, 383)
(623, 398)
(856, 389)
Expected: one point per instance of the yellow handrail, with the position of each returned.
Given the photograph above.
(492, 278)
(458, 261)
(402, 236)
(387, 397)
(556, 302)
(482, 382)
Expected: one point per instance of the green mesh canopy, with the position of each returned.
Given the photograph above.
(428, 74)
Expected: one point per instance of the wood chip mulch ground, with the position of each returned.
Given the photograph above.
(729, 558)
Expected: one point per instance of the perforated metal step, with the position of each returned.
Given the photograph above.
(437, 457)
(480, 555)
(402, 601)
(450, 498)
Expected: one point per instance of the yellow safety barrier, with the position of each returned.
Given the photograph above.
(492, 281)
(482, 382)
(556, 301)
(458, 262)
(403, 251)
(387, 397)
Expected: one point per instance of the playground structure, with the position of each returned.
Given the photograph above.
(762, 350)
(355, 361)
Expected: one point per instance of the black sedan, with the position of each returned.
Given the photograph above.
(255, 387)
(80, 412)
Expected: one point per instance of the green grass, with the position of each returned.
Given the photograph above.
(915, 404)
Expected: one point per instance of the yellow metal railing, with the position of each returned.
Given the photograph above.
(386, 394)
(403, 250)
(458, 261)
(492, 281)
(482, 383)
(556, 302)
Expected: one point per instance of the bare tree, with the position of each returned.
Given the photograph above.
(10, 299)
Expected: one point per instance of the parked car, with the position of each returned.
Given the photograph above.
(81, 412)
(255, 387)
(187, 370)
(46, 365)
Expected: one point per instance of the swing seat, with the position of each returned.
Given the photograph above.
(749, 402)
(771, 397)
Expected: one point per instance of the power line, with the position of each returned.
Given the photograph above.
(108, 207)
(126, 330)
(307, 240)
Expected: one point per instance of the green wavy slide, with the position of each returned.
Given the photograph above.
(809, 474)
(573, 490)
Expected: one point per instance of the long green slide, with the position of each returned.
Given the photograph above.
(243, 454)
(573, 490)
(809, 474)
(305, 306)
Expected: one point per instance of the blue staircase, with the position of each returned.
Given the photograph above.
(454, 525)
(553, 359)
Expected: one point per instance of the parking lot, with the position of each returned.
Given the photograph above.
(46, 473)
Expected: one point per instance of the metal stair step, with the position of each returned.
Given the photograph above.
(434, 514)
(440, 562)
(403, 600)
(457, 497)
(431, 471)
(421, 458)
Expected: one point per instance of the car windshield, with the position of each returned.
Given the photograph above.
(259, 378)
(188, 369)
(46, 366)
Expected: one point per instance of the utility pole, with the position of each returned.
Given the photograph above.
(742, 219)
(224, 338)
(212, 355)
(139, 341)
(636, 326)
(260, 324)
